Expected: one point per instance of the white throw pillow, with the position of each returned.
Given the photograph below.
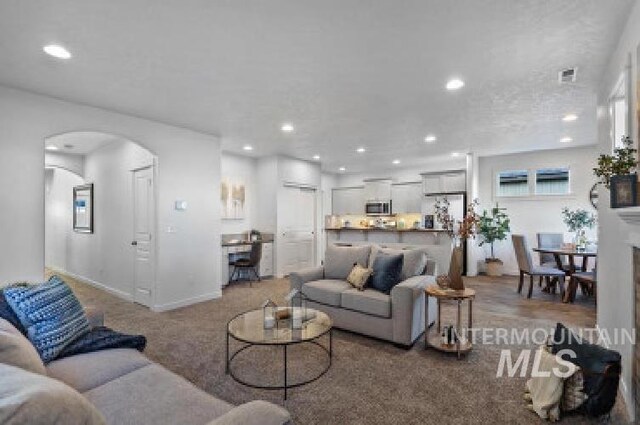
(29, 398)
(17, 350)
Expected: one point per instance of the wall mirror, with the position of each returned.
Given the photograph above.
(83, 208)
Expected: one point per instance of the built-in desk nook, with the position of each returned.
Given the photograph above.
(236, 246)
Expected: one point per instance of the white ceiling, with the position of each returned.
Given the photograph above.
(79, 142)
(346, 73)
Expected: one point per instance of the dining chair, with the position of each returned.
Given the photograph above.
(250, 264)
(587, 280)
(551, 240)
(525, 264)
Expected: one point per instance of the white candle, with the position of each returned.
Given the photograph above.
(297, 319)
(269, 322)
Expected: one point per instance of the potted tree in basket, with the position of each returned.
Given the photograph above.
(618, 173)
(492, 228)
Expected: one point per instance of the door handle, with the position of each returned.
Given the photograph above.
(134, 243)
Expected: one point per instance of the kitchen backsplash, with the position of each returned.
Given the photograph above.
(400, 221)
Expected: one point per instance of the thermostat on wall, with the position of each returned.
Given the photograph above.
(181, 205)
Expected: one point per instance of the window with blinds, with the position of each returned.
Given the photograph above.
(513, 183)
(552, 181)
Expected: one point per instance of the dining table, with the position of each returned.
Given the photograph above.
(571, 254)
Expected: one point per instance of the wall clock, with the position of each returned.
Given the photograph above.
(593, 196)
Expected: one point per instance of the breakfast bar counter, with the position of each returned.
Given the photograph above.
(387, 235)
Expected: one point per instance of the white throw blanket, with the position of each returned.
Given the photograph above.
(545, 392)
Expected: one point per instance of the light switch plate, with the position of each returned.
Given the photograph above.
(181, 205)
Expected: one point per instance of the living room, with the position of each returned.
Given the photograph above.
(258, 213)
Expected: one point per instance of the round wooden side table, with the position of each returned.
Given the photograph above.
(463, 343)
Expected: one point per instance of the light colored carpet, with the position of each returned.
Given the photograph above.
(370, 382)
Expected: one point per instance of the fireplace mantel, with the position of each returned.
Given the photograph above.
(630, 215)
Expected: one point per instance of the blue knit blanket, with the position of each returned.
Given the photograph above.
(102, 338)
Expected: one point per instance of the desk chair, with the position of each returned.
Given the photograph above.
(251, 264)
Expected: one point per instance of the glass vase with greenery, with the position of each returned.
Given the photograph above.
(493, 226)
(577, 221)
(622, 162)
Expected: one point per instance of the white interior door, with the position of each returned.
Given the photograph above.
(144, 243)
(297, 223)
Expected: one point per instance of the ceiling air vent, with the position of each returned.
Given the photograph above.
(567, 75)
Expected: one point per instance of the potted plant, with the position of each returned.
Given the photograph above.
(618, 173)
(493, 227)
(577, 221)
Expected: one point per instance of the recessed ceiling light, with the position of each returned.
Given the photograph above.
(455, 84)
(569, 117)
(455, 154)
(430, 138)
(51, 148)
(342, 169)
(361, 150)
(396, 161)
(57, 51)
(566, 140)
(316, 157)
(248, 148)
(287, 128)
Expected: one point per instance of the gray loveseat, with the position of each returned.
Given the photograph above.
(397, 317)
(128, 388)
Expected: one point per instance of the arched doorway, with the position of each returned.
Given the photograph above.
(117, 252)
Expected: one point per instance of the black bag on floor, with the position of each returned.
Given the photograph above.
(601, 369)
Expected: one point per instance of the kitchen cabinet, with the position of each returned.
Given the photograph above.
(445, 182)
(454, 182)
(266, 261)
(348, 200)
(431, 183)
(406, 198)
(377, 190)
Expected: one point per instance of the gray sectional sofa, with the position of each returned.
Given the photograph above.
(125, 387)
(397, 317)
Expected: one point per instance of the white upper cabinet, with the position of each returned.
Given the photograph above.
(406, 198)
(431, 183)
(447, 182)
(377, 190)
(454, 182)
(348, 200)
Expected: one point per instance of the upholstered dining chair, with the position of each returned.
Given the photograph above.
(251, 264)
(551, 240)
(525, 264)
(588, 281)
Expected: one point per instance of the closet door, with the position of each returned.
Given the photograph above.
(296, 228)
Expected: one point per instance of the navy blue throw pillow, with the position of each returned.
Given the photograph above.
(7, 313)
(387, 272)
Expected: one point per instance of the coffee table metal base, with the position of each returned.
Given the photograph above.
(229, 360)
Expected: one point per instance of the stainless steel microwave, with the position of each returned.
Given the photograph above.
(378, 208)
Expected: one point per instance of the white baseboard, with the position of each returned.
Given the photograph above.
(118, 293)
(186, 302)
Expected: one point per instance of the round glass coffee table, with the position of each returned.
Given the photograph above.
(248, 328)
